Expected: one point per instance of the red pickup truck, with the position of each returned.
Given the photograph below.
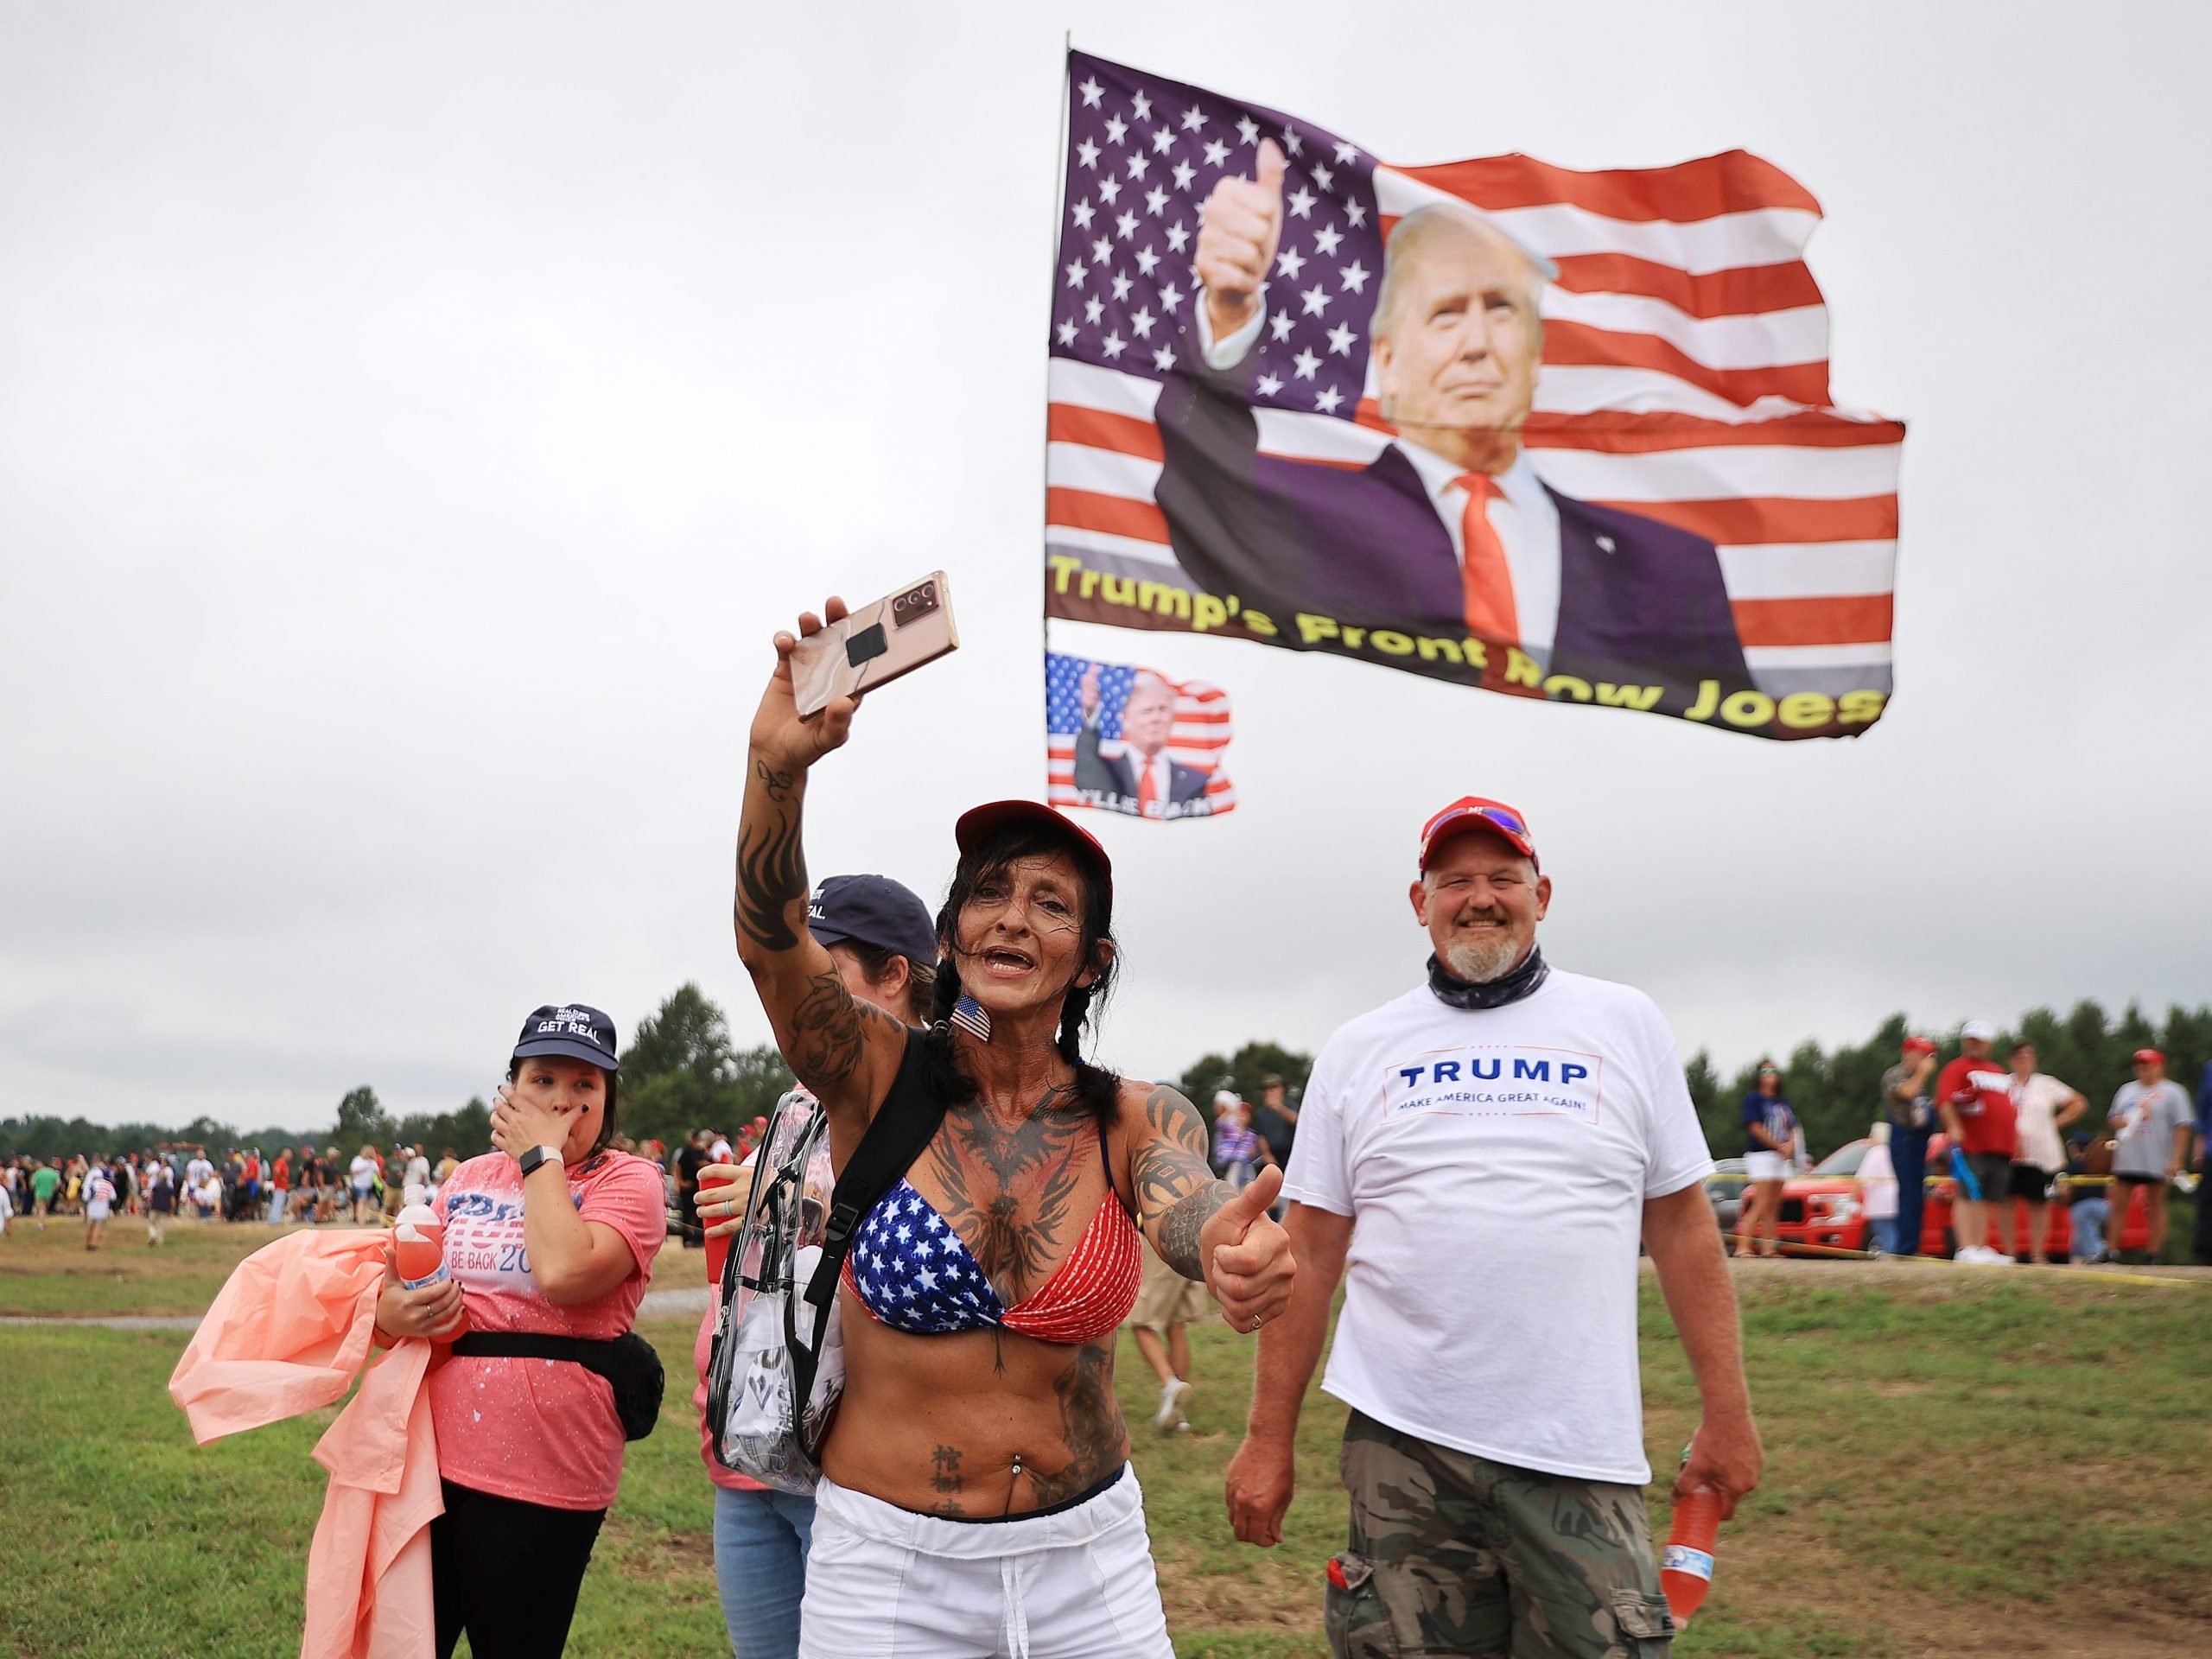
(1827, 1206)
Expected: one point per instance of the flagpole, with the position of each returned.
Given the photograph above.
(1044, 498)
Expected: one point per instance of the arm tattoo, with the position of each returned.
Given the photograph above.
(829, 1040)
(771, 867)
(1179, 1228)
(1175, 1185)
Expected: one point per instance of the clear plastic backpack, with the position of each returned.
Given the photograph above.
(775, 1372)
(772, 1349)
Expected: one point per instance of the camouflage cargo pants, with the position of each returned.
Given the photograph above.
(1453, 1554)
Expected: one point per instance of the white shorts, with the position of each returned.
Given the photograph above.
(1765, 1166)
(885, 1583)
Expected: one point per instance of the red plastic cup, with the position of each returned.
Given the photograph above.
(712, 1180)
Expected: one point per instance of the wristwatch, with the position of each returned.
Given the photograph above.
(530, 1161)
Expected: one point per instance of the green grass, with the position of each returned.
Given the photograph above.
(52, 1273)
(2026, 1449)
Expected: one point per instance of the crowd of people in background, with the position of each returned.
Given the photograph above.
(298, 1185)
(2003, 1139)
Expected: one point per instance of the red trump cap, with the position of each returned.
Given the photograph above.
(2148, 1057)
(1919, 1045)
(1471, 812)
(979, 821)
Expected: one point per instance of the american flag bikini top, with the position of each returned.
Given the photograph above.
(911, 1271)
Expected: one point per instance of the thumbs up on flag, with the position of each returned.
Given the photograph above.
(1249, 1264)
(1241, 229)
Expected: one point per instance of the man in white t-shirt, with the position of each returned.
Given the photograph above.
(2153, 1117)
(2042, 1108)
(1478, 1160)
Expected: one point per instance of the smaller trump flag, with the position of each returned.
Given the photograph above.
(1128, 740)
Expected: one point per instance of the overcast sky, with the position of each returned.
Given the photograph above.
(414, 420)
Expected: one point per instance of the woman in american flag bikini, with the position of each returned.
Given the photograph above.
(976, 1497)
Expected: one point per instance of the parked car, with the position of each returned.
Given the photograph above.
(1826, 1206)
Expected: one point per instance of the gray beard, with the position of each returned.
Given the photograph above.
(1480, 964)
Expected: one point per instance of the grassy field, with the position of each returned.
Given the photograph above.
(1960, 1463)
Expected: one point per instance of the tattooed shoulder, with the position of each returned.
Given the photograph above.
(1172, 1117)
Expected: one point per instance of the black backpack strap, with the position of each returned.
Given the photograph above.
(904, 1124)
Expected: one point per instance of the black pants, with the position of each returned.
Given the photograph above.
(508, 1572)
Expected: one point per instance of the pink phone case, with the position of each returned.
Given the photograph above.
(875, 643)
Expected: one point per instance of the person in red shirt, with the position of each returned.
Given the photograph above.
(1977, 1106)
(280, 1187)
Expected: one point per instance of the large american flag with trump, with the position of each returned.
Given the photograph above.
(1200, 733)
(1684, 379)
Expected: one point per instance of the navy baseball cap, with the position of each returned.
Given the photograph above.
(569, 1029)
(872, 910)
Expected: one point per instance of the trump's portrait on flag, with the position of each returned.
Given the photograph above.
(1449, 527)
(1559, 434)
(1131, 740)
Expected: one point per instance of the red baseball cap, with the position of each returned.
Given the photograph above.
(2148, 1057)
(1477, 812)
(1919, 1045)
(979, 821)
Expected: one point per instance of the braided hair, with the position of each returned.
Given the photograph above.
(1096, 1087)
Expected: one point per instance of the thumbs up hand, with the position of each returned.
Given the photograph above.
(1241, 229)
(1249, 1264)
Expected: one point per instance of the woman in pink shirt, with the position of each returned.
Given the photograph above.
(551, 1236)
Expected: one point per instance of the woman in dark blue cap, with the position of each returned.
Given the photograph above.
(549, 1243)
(975, 1494)
(879, 935)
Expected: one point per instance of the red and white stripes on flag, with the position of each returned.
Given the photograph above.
(1684, 378)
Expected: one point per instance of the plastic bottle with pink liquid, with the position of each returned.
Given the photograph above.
(418, 1244)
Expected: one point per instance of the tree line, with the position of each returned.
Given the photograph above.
(682, 1071)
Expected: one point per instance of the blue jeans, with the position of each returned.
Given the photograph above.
(760, 1544)
(2089, 1218)
(1909, 1156)
(1885, 1233)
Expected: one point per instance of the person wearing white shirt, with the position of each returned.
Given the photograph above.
(2042, 1108)
(1477, 1162)
(1877, 1187)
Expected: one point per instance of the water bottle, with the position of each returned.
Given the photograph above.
(1686, 1564)
(418, 1244)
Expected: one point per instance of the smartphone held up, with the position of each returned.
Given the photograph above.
(873, 644)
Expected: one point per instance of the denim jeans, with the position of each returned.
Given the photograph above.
(1909, 1155)
(2090, 1215)
(1885, 1233)
(760, 1544)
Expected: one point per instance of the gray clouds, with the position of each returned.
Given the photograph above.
(413, 423)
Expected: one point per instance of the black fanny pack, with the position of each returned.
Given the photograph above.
(628, 1362)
